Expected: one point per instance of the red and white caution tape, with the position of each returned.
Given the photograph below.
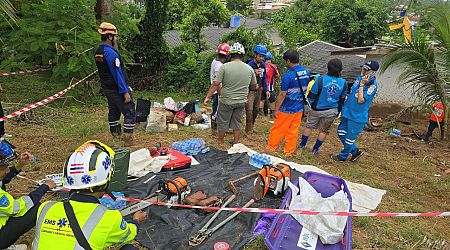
(23, 72)
(274, 210)
(46, 100)
(305, 212)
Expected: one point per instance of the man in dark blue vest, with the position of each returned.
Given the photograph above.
(114, 85)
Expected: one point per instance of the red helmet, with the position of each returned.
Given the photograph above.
(223, 49)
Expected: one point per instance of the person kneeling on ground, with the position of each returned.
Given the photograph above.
(235, 77)
(81, 222)
(17, 216)
(355, 113)
(436, 120)
(289, 105)
(326, 96)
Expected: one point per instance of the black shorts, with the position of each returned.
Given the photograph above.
(272, 97)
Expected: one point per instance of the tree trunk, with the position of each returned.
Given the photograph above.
(104, 9)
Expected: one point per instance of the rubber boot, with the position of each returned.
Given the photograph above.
(127, 139)
(116, 131)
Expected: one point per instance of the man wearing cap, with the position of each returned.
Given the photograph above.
(355, 112)
(114, 84)
(17, 216)
(258, 89)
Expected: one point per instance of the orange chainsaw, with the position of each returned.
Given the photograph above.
(170, 191)
(272, 178)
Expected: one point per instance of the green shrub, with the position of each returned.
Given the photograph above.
(63, 34)
(248, 38)
(187, 71)
(53, 32)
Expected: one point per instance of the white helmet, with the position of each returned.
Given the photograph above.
(89, 166)
(237, 48)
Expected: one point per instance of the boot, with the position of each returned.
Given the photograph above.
(127, 139)
(116, 131)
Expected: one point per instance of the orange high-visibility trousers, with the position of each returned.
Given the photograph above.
(286, 127)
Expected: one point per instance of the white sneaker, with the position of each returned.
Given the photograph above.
(6, 136)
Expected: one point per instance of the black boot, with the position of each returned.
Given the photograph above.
(116, 131)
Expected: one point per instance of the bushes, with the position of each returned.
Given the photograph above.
(59, 33)
(248, 39)
(54, 33)
(187, 71)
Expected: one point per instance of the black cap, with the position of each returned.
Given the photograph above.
(371, 65)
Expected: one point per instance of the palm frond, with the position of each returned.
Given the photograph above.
(8, 9)
(441, 23)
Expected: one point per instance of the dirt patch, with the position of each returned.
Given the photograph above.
(411, 172)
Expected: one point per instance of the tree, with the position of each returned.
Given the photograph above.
(427, 65)
(8, 12)
(242, 7)
(353, 23)
(177, 10)
(247, 38)
(104, 9)
(344, 22)
(201, 14)
(150, 43)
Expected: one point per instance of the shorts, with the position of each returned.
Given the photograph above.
(272, 97)
(229, 116)
(321, 120)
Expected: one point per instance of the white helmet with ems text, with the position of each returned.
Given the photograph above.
(89, 166)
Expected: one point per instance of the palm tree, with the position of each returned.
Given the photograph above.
(8, 12)
(427, 64)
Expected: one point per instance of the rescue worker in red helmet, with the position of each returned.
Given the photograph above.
(223, 51)
(114, 84)
(17, 216)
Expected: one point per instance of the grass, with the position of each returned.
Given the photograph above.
(405, 169)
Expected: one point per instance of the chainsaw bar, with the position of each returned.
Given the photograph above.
(259, 188)
(139, 206)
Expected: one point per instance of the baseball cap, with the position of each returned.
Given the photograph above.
(371, 65)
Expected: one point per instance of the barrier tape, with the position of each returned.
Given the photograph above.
(286, 211)
(23, 72)
(46, 100)
(273, 210)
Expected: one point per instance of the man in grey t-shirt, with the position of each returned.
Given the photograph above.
(235, 78)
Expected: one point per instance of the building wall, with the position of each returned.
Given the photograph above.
(389, 91)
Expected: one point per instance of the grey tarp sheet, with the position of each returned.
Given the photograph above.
(170, 228)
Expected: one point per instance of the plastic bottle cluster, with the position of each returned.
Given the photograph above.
(258, 160)
(189, 147)
(114, 205)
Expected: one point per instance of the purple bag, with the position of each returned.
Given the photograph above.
(284, 231)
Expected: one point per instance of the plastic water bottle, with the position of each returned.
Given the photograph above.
(35, 159)
(258, 161)
(395, 132)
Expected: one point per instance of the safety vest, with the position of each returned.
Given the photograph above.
(10, 207)
(100, 226)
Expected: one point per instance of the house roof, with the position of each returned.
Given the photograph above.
(318, 53)
(212, 35)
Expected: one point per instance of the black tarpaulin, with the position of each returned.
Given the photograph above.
(170, 228)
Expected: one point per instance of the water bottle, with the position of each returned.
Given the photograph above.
(35, 159)
(259, 162)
